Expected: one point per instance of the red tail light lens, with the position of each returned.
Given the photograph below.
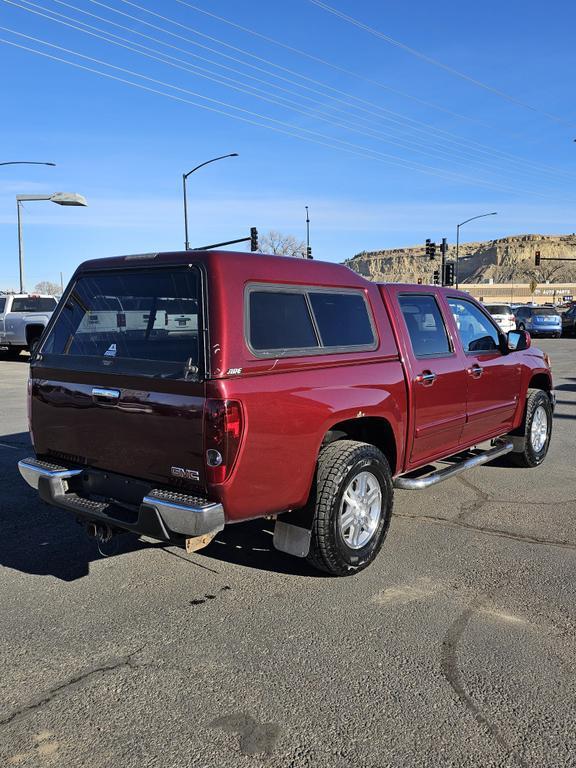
(223, 432)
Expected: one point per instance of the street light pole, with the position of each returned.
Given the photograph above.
(20, 246)
(481, 216)
(184, 177)
(61, 198)
(307, 232)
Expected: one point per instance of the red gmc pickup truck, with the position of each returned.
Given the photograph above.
(175, 393)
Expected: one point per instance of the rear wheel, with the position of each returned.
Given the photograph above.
(353, 506)
(537, 430)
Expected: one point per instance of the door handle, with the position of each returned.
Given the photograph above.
(105, 396)
(475, 371)
(426, 377)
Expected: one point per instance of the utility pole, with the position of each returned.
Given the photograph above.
(308, 248)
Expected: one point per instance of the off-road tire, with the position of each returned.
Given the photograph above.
(337, 465)
(529, 457)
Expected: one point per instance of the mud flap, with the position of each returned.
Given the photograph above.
(293, 532)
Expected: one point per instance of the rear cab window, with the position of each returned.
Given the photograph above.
(144, 322)
(287, 321)
(425, 325)
(33, 304)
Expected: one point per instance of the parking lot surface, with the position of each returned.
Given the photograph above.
(455, 648)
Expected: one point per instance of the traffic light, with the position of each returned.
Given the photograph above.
(537, 258)
(430, 249)
(253, 239)
(436, 277)
(449, 273)
(309, 252)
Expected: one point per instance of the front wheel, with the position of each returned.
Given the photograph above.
(353, 506)
(537, 430)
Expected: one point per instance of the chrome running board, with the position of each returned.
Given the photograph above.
(419, 483)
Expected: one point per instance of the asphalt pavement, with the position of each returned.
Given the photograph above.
(455, 648)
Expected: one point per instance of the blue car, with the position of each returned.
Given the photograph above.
(539, 321)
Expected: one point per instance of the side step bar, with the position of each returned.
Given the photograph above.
(419, 483)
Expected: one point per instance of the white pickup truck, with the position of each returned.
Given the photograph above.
(23, 318)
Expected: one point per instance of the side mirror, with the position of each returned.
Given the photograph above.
(518, 340)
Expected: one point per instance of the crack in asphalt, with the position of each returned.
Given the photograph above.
(73, 682)
(498, 532)
(451, 671)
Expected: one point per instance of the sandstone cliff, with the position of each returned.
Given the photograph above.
(509, 259)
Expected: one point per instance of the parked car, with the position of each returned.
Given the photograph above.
(539, 321)
(503, 315)
(298, 390)
(23, 318)
(569, 321)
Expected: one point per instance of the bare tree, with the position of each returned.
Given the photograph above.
(52, 289)
(282, 245)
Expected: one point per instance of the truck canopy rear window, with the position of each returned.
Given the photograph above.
(307, 320)
(33, 304)
(141, 321)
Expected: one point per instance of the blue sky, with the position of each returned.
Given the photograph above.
(388, 144)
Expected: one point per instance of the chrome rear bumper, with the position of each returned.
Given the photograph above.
(160, 514)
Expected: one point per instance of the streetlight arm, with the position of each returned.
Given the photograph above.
(29, 198)
(472, 218)
(482, 215)
(27, 162)
(233, 154)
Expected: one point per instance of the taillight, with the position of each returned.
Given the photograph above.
(223, 426)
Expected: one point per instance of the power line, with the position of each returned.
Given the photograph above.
(404, 143)
(326, 63)
(414, 124)
(436, 62)
(278, 126)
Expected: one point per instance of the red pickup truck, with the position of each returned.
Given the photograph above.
(174, 393)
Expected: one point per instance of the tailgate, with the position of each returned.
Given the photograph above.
(117, 384)
(141, 431)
